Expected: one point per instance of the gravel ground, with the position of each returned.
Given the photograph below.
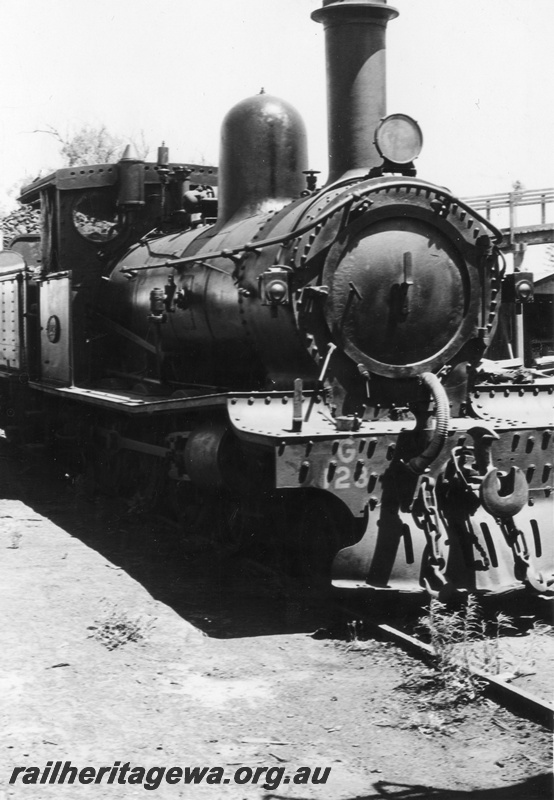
(118, 647)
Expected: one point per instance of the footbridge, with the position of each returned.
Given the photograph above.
(525, 217)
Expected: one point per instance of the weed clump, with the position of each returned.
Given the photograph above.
(462, 640)
(117, 627)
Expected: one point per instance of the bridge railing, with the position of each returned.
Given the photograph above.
(533, 197)
(526, 216)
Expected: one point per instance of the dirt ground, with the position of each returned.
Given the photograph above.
(117, 647)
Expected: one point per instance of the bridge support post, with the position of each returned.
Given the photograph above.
(520, 248)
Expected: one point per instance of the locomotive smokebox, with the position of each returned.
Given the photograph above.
(262, 157)
(355, 42)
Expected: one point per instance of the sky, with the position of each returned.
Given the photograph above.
(478, 75)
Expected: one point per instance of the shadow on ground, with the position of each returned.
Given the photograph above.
(539, 787)
(226, 596)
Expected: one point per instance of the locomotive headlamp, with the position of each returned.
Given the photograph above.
(274, 286)
(398, 138)
(524, 291)
(518, 287)
(276, 291)
(157, 306)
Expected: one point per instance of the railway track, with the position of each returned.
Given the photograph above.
(521, 702)
(517, 700)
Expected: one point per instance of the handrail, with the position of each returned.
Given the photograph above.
(509, 200)
(526, 197)
(517, 234)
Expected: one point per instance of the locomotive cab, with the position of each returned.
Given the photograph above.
(89, 216)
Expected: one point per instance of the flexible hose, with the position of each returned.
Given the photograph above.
(419, 464)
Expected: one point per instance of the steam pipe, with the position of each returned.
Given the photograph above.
(355, 32)
(420, 463)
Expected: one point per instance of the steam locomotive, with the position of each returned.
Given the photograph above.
(262, 354)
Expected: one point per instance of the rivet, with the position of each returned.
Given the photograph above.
(303, 471)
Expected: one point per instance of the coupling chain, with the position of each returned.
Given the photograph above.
(470, 481)
(424, 511)
(515, 539)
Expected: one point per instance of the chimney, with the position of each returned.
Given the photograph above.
(355, 33)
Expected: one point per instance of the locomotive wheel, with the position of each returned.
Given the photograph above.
(144, 475)
(319, 528)
(108, 471)
(119, 472)
(229, 532)
(214, 519)
(105, 466)
(189, 507)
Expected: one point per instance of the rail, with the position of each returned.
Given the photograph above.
(516, 700)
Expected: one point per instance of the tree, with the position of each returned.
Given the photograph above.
(90, 146)
(94, 145)
(87, 145)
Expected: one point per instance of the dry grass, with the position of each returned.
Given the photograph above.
(462, 640)
(115, 627)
